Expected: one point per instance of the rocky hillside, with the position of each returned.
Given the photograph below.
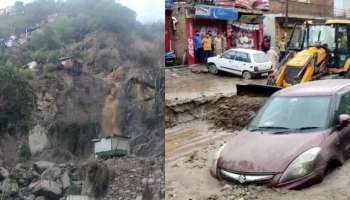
(73, 107)
(90, 70)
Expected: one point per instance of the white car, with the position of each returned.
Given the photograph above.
(244, 62)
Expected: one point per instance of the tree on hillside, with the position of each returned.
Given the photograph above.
(16, 99)
(73, 21)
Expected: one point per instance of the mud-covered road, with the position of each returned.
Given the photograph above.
(182, 83)
(187, 172)
(198, 106)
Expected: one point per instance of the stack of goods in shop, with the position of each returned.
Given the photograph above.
(245, 4)
(228, 3)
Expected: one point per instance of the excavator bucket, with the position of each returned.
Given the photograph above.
(254, 90)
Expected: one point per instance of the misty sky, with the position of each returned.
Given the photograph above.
(146, 10)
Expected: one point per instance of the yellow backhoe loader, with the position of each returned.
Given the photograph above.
(314, 51)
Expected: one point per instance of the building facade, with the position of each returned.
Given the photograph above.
(277, 26)
(342, 8)
(241, 23)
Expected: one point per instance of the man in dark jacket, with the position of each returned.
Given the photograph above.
(265, 45)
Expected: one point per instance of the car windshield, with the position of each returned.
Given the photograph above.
(292, 113)
(260, 58)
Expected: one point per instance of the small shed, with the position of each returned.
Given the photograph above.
(67, 62)
(71, 65)
(112, 146)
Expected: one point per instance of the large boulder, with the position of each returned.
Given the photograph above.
(3, 173)
(24, 175)
(65, 179)
(38, 139)
(40, 198)
(49, 189)
(9, 187)
(52, 174)
(41, 166)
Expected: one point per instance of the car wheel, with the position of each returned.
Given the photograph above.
(213, 69)
(247, 75)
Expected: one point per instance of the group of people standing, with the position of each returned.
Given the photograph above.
(208, 45)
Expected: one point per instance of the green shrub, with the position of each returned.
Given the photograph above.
(16, 99)
(24, 153)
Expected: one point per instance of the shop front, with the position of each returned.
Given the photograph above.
(207, 19)
(239, 28)
(247, 32)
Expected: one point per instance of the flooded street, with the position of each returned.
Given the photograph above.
(197, 131)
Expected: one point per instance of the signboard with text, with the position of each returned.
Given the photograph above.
(169, 4)
(216, 13)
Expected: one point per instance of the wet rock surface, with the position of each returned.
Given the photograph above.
(141, 106)
(122, 178)
(46, 188)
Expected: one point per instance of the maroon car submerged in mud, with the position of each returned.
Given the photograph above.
(295, 138)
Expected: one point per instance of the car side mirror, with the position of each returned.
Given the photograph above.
(343, 120)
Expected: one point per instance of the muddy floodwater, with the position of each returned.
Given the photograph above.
(203, 113)
(188, 177)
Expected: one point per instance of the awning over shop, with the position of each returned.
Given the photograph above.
(212, 12)
(169, 4)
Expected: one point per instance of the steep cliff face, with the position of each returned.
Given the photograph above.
(69, 109)
(142, 109)
(73, 110)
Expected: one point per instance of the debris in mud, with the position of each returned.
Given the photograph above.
(213, 197)
(199, 70)
(196, 159)
(230, 112)
(234, 113)
(236, 192)
(192, 157)
(187, 110)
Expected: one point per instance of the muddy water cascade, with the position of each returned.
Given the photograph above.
(110, 125)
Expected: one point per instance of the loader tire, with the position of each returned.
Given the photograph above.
(347, 74)
(270, 80)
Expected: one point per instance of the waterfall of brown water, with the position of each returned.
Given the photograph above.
(110, 124)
